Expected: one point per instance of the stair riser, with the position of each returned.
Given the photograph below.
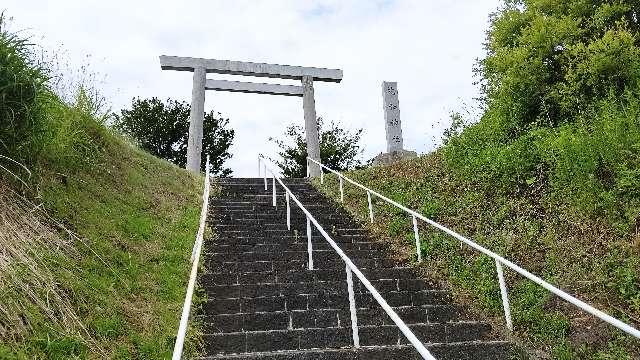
(473, 351)
(337, 338)
(287, 255)
(335, 318)
(295, 265)
(286, 289)
(318, 245)
(275, 301)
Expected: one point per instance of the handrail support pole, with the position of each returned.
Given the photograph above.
(288, 211)
(352, 308)
(416, 234)
(505, 296)
(273, 196)
(370, 206)
(309, 245)
(265, 176)
(341, 190)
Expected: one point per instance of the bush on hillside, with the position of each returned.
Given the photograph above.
(22, 87)
(162, 128)
(561, 84)
(36, 126)
(339, 149)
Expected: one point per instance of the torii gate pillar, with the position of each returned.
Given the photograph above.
(311, 125)
(194, 144)
(200, 68)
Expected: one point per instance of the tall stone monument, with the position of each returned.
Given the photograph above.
(393, 127)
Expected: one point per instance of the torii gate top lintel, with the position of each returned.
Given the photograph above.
(230, 67)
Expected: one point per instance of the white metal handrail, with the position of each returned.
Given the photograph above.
(195, 259)
(350, 268)
(500, 261)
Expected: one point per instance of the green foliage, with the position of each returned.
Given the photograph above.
(127, 220)
(22, 86)
(162, 129)
(339, 149)
(140, 214)
(549, 59)
(562, 89)
(36, 126)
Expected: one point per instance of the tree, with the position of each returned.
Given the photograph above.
(339, 149)
(163, 130)
(548, 60)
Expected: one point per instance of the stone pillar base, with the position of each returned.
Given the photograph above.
(392, 157)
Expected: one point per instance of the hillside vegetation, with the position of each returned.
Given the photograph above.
(549, 177)
(95, 235)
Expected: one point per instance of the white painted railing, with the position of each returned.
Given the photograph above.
(350, 268)
(500, 261)
(195, 259)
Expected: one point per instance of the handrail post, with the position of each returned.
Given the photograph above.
(370, 206)
(308, 169)
(288, 211)
(274, 190)
(265, 176)
(309, 245)
(352, 308)
(416, 234)
(505, 296)
(321, 175)
(341, 189)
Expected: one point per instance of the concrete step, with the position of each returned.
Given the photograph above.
(296, 265)
(302, 339)
(235, 303)
(323, 318)
(286, 255)
(278, 246)
(488, 350)
(399, 274)
(222, 291)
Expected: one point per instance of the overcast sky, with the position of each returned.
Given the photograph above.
(428, 46)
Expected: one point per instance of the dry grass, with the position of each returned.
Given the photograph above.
(32, 254)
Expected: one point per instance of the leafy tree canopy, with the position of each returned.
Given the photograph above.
(162, 128)
(339, 149)
(561, 98)
(548, 60)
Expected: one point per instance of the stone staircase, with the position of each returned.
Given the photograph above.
(263, 302)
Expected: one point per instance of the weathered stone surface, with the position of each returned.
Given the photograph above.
(253, 88)
(392, 123)
(393, 157)
(194, 145)
(311, 125)
(230, 67)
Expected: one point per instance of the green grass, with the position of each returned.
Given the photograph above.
(138, 216)
(96, 235)
(593, 257)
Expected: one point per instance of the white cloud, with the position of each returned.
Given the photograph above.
(429, 47)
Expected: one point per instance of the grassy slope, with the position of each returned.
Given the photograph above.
(593, 258)
(138, 215)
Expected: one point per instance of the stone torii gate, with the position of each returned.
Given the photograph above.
(200, 68)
